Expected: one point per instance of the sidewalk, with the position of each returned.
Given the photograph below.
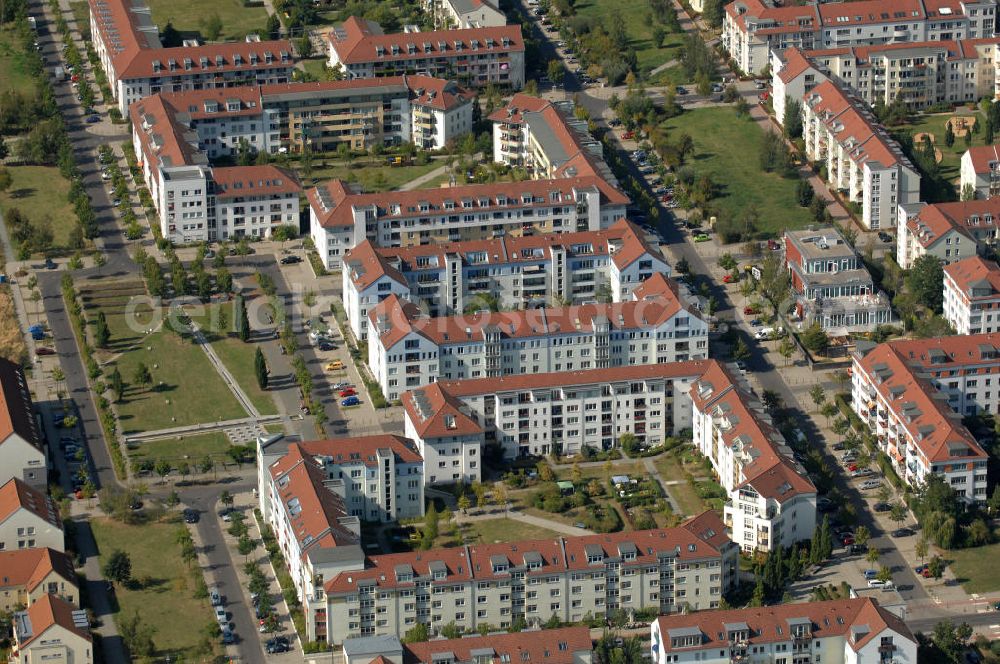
(223, 372)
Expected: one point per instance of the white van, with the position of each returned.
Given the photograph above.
(764, 333)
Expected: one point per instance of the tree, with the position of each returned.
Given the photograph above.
(241, 319)
(479, 490)
(118, 567)
(207, 464)
(968, 192)
(828, 410)
(227, 500)
(936, 567)
(5, 178)
(212, 26)
(162, 468)
(137, 637)
(101, 332)
(727, 262)
(951, 640)
(741, 351)
(260, 369)
(304, 46)
(786, 348)
(861, 535)
(925, 282)
(141, 376)
(417, 634)
(792, 121)
(117, 384)
(500, 495)
(223, 280)
(873, 555)
(273, 27)
(464, 503)
(815, 338)
(775, 282)
(921, 548)
(884, 574)
(818, 395)
(949, 135)
(245, 546)
(898, 513)
(556, 71)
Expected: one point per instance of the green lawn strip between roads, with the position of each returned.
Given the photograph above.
(39, 192)
(502, 529)
(14, 63)
(977, 568)
(636, 16)
(188, 16)
(185, 448)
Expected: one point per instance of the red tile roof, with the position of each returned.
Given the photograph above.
(48, 612)
(933, 222)
(363, 449)
(466, 563)
(357, 40)
(796, 64)
(435, 413)
(28, 567)
(448, 94)
(191, 104)
(437, 93)
(974, 273)
(17, 415)
(984, 157)
(548, 646)
(515, 109)
(241, 181)
(543, 193)
(860, 620)
(16, 495)
(162, 138)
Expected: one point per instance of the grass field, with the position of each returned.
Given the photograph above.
(506, 530)
(371, 175)
(188, 17)
(316, 67)
(188, 448)
(187, 388)
(14, 63)
(167, 602)
(597, 472)
(40, 192)
(638, 21)
(726, 147)
(951, 158)
(976, 568)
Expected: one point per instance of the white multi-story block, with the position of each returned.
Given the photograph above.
(341, 219)
(950, 231)
(28, 519)
(464, 14)
(514, 272)
(860, 157)
(22, 454)
(980, 171)
(563, 645)
(972, 296)
(771, 502)
(753, 28)
(138, 65)
(407, 350)
(476, 57)
(912, 394)
(850, 631)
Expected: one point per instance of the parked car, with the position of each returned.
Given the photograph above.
(839, 447)
(349, 392)
(277, 644)
(902, 532)
(326, 345)
(350, 401)
(227, 637)
(701, 237)
(882, 507)
(50, 264)
(876, 583)
(336, 365)
(342, 385)
(885, 237)
(870, 573)
(291, 260)
(869, 485)
(45, 350)
(216, 597)
(750, 310)
(190, 516)
(220, 615)
(93, 119)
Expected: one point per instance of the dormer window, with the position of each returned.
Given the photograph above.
(380, 51)
(188, 64)
(237, 59)
(156, 65)
(203, 61)
(219, 61)
(395, 49)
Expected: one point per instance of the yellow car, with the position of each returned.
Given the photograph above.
(336, 365)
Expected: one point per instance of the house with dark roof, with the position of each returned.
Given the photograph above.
(22, 452)
(52, 630)
(515, 272)
(849, 631)
(475, 57)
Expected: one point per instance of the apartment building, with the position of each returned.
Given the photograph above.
(51, 630)
(559, 412)
(972, 296)
(689, 567)
(950, 231)
(196, 202)
(980, 171)
(861, 159)
(919, 74)
(138, 65)
(753, 28)
(772, 501)
(28, 519)
(341, 219)
(407, 350)
(913, 395)
(831, 283)
(22, 453)
(476, 57)
(847, 631)
(310, 520)
(465, 14)
(513, 272)
(30, 574)
(565, 645)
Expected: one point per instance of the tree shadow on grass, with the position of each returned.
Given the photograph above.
(22, 192)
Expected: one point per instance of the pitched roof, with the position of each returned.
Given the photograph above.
(435, 413)
(437, 93)
(332, 202)
(29, 567)
(548, 646)
(392, 319)
(16, 495)
(239, 101)
(164, 140)
(515, 109)
(975, 277)
(934, 221)
(17, 414)
(860, 619)
(47, 612)
(313, 510)
(796, 64)
(984, 158)
(363, 449)
(268, 180)
(357, 41)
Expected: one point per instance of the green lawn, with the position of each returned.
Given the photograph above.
(238, 358)
(188, 17)
(369, 172)
(187, 388)
(976, 568)
(167, 601)
(951, 158)
(597, 472)
(671, 469)
(506, 530)
(726, 147)
(40, 192)
(187, 448)
(316, 67)
(637, 17)
(14, 63)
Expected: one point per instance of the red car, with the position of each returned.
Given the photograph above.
(848, 541)
(750, 311)
(349, 392)
(728, 279)
(852, 467)
(773, 245)
(74, 78)
(79, 494)
(667, 198)
(628, 134)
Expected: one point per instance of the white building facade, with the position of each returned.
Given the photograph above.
(972, 296)
(949, 231)
(22, 451)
